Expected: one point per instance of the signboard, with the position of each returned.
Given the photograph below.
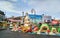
(35, 16)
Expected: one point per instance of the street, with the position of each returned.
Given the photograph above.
(9, 34)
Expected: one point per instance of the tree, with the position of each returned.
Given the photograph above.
(1, 12)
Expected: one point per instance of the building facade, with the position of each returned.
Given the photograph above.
(35, 18)
(2, 16)
(40, 18)
(47, 18)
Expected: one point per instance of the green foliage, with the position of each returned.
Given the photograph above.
(1, 12)
(59, 30)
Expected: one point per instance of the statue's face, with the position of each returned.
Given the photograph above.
(44, 28)
(54, 31)
(14, 24)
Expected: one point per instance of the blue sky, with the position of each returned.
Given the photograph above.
(16, 7)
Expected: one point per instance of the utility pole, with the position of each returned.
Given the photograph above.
(23, 17)
(42, 18)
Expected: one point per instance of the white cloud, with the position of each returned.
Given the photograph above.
(7, 6)
(47, 7)
(50, 6)
(10, 0)
(14, 0)
(4, 5)
(24, 1)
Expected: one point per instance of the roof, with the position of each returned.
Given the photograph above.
(14, 20)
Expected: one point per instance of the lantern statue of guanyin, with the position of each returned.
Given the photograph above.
(26, 23)
(44, 29)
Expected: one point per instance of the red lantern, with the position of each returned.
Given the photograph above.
(29, 30)
(48, 31)
(36, 28)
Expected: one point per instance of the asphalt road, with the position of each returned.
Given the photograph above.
(9, 34)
